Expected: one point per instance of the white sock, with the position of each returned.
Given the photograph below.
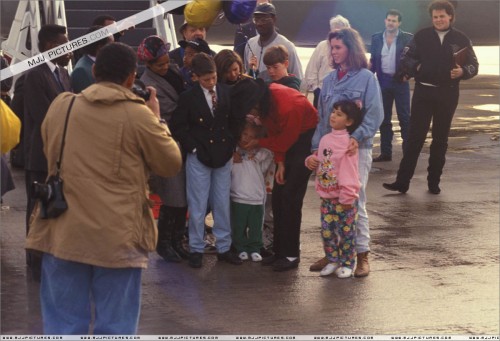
(291, 259)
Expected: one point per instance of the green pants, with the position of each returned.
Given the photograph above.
(246, 223)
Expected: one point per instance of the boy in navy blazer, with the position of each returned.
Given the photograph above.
(206, 130)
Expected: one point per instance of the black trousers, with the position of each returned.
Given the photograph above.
(436, 104)
(288, 198)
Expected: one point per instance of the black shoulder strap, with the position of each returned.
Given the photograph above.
(64, 136)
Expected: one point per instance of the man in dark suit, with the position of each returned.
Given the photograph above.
(42, 84)
(205, 127)
(386, 48)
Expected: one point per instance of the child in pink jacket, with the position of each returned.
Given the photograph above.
(337, 183)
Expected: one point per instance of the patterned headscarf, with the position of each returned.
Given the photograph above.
(152, 48)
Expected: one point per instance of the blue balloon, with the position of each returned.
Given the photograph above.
(239, 11)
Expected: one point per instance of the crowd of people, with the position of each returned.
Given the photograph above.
(227, 133)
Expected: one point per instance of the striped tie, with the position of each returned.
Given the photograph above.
(214, 100)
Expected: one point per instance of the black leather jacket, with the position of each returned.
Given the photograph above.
(429, 61)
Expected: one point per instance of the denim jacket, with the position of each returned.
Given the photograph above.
(360, 86)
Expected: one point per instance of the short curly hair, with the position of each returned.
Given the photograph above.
(115, 62)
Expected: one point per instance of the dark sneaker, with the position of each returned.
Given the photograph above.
(284, 264)
(195, 259)
(229, 257)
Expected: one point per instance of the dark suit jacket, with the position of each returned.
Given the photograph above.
(194, 126)
(82, 77)
(376, 49)
(40, 89)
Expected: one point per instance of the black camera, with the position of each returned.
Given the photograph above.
(140, 90)
(51, 197)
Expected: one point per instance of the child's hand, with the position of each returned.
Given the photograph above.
(312, 162)
(251, 156)
(237, 157)
(280, 173)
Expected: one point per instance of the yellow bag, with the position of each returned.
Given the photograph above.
(10, 128)
(202, 13)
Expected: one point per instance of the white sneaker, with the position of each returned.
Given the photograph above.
(329, 269)
(243, 255)
(256, 257)
(343, 272)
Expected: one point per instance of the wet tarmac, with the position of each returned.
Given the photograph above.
(434, 259)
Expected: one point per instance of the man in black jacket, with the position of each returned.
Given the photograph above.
(386, 49)
(42, 85)
(430, 59)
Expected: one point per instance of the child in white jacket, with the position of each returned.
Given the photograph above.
(337, 183)
(248, 195)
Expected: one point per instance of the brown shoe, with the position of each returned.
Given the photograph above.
(362, 267)
(319, 265)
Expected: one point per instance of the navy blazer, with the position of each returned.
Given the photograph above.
(376, 49)
(194, 126)
(40, 89)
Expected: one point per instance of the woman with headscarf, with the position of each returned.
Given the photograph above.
(167, 81)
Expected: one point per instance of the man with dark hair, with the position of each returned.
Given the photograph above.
(94, 252)
(105, 20)
(265, 19)
(430, 58)
(42, 84)
(244, 32)
(82, 76)
(386, 49)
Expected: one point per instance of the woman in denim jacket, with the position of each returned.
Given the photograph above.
(351, 80)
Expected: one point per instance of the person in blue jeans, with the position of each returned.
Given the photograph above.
(95, 251)
(351, 80)
(206, 129)
(386, 49)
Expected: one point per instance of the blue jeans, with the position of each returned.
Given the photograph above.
(393, 91)
(205, 184)
(68, 288)
(363, 228)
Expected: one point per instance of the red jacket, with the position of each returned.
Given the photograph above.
(290, 115)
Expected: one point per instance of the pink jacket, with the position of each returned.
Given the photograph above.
(337, 173)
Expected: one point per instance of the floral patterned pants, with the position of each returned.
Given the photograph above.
(338, 230)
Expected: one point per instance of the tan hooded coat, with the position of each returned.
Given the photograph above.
(113, 141)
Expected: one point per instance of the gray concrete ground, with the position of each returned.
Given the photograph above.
(434, 259)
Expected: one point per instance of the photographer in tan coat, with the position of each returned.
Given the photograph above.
(98, 247)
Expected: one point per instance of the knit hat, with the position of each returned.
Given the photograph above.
(246, 94)
(198, 44)
(152, 48)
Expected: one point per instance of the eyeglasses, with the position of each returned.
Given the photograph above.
(263, 20)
